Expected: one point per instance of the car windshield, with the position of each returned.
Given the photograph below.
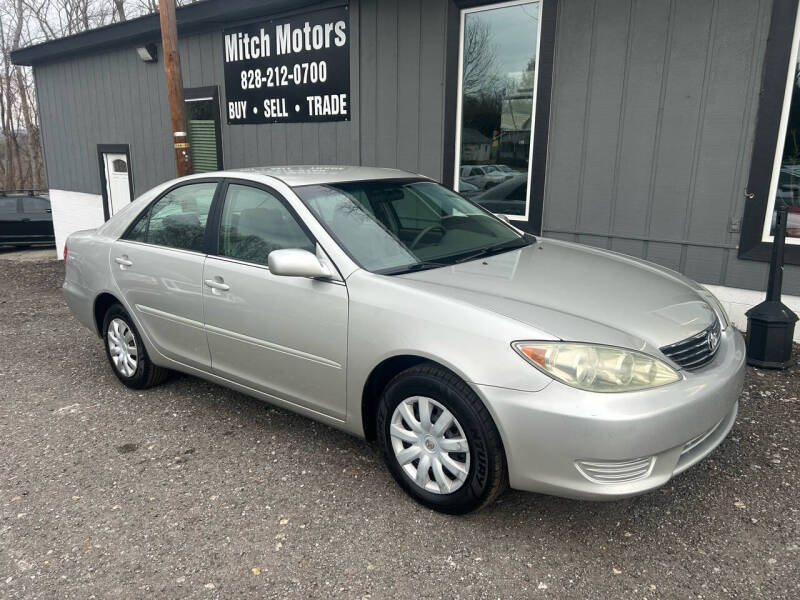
(398, 226)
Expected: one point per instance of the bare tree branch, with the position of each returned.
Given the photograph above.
(27, 22)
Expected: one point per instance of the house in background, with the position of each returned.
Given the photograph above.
(662, 129)
(475, 147)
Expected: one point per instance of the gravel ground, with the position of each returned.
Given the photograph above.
(189, 490)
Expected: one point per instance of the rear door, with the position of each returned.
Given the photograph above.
(286, 336)
(37, 218)
(10, 219)
(158, 267)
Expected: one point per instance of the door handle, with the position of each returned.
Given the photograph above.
(123, 262)
(25, 220)
(217, 285)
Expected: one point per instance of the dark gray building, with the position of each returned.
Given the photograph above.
(664, 129)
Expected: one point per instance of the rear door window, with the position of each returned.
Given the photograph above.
(178, 219)
(32, 204)
(8, 206)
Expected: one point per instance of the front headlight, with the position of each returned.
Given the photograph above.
(597, 368)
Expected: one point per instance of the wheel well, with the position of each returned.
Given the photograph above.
(101, 304)
(376, 382)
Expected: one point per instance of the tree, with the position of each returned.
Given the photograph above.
(27, 22)
(479, 74)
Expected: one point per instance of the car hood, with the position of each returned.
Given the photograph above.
(578, 293)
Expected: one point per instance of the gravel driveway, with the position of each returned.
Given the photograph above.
(189, 490)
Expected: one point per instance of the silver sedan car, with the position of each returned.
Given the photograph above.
(381, 303)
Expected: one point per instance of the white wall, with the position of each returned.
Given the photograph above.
(73, 211)
(736, 302)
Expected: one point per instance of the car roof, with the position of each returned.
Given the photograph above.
(296, 175)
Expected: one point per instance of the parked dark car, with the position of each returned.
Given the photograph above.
(25, 219)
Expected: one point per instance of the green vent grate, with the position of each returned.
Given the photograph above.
(203, 146)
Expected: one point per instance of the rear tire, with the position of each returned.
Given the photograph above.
(126, 352)
(464, 465)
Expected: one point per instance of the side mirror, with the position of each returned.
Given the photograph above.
(293, 262)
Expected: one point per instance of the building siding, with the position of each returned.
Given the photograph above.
(652, 119)
(397, 92)
(653, 110)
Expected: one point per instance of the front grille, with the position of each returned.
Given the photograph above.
(617, 471)
(696, 351)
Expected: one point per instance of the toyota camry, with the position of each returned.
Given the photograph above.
(384, 304)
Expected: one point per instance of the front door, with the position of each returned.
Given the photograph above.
(117, 181)
(285, 336)
(158, 267)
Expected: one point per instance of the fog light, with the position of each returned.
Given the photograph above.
(623, 471)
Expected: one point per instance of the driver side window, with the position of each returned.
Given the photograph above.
(255, 222)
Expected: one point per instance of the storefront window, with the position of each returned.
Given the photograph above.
(785, 185)
(497, 91)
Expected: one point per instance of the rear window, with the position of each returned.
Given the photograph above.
(8, 205)
(32, 204)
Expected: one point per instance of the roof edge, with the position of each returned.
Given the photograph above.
(192, 18)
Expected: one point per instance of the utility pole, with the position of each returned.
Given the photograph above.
(172, 69)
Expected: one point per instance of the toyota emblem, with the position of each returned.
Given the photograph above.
(713, 340)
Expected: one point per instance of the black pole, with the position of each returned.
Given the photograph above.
(770, 325)
(775, 283)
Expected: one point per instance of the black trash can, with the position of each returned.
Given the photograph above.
(770, 329)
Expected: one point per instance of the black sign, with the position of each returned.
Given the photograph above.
(292, 70)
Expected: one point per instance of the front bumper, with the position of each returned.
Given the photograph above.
(567, 442)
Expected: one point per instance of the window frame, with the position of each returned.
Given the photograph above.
(773, 112)
(210, 221)
(463, 12)
(213, 245)
(211, 94)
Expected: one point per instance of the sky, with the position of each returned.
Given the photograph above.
(514, 30)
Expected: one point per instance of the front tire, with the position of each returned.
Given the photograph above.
(439, 441)
(126, 352)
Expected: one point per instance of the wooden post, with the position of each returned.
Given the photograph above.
(172, 70)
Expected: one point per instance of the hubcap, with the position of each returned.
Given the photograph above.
(430, 445)
(122, 347)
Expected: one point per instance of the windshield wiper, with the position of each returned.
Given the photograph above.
(420, 266)
(429, 264)
(510, 245)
